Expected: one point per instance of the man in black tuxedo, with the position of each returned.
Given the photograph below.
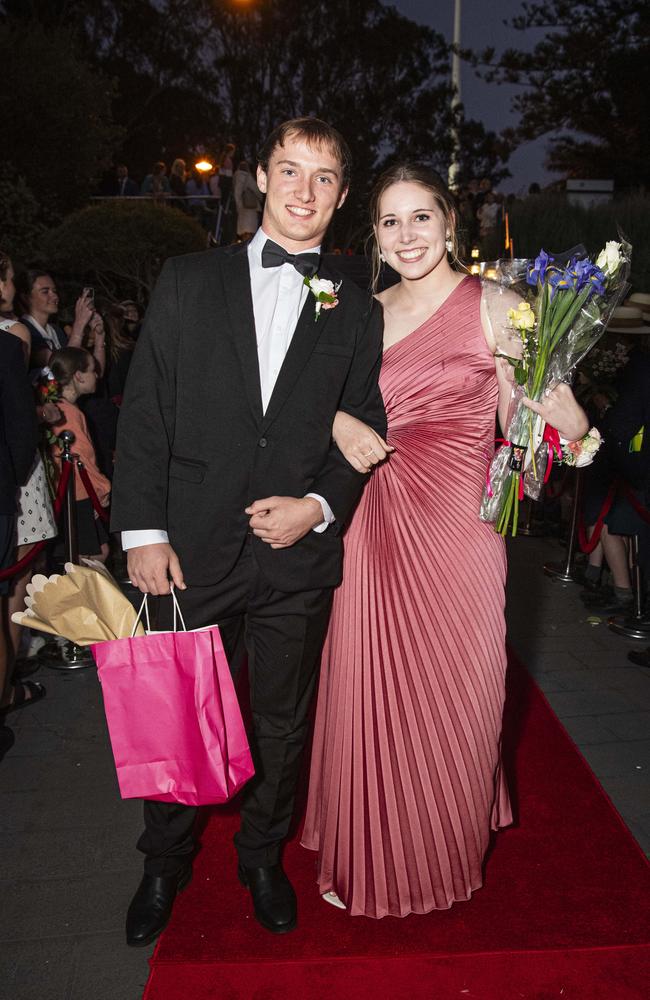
(227, 481)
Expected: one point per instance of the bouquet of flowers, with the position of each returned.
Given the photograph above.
(48, 390)
(566, 304)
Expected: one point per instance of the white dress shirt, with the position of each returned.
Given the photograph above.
(279, 294)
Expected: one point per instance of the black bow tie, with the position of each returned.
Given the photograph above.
(305, 263)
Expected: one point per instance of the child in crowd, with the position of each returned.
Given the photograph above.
(74, 370)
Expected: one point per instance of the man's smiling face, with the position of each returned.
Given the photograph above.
(303, 187)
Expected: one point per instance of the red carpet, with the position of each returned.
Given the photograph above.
(564, 911)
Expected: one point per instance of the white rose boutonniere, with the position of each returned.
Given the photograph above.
(324, 291)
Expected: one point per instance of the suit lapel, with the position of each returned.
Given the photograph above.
(237, 293)
(305, 338)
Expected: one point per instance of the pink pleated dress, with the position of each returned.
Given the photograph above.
(406, 782)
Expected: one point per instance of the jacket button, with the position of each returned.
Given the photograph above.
(262, 442)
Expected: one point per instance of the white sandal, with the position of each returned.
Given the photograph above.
(333, 899)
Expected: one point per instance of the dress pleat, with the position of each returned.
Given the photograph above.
(406, 782)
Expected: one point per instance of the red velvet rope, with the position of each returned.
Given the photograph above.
(90, 490)
(642, 511)
(5, 574)
(589, 544)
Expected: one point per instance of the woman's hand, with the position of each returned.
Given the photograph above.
(83, 311)
(561, 410)
(359, 443)
(49, 413)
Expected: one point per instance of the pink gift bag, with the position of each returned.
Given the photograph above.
(174, 720)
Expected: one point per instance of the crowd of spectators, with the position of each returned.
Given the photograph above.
(56, 375)
(223, 196)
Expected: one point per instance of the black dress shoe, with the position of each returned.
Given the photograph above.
(151, 907)
(273, 897)
(639, 657)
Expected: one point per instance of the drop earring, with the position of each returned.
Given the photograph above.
(382, 258)
(449, 243)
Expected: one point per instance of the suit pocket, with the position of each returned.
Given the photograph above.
(339, 350)
(189, 469)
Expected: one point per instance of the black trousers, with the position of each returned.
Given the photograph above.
(283, 635)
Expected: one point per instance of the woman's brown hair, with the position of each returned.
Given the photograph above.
(66, 362)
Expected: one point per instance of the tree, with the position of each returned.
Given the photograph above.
(122, 245)
(20, 229)
(585, 85)
(187, 74)
(57, 125)
(381, 78)
(150, 54)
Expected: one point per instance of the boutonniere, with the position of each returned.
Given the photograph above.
(324, 291)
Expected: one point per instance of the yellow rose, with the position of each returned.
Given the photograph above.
(522, 318)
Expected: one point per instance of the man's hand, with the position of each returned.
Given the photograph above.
(151, 566)
(282, 521)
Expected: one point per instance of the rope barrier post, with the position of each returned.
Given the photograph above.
(564, 571)
(636, 625)
(69, 508)
(526, 526)
(71, 656)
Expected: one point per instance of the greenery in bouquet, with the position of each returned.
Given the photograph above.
(567, 302)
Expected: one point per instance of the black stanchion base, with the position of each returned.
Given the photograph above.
(72, 657)
(631, 627)
(559, 571)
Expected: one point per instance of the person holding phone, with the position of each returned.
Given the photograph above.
(38, 299)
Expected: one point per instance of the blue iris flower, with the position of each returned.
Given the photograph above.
(538, 271)
(588, 274)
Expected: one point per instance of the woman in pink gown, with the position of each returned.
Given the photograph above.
(406, 780)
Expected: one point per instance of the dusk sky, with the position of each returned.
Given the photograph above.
(482, 26)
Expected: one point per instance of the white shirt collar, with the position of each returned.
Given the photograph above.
(48, 331)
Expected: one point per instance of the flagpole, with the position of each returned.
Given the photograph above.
(454, 166)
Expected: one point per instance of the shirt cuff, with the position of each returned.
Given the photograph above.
(149, 536)
(328, 515)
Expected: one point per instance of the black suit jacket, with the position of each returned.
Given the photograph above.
(194, 448)
(18, 427)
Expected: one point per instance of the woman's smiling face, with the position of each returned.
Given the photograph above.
(411, 229)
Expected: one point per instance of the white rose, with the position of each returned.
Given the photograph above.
(319, 285)
(584, 458)
(609, 259)
(592, 441)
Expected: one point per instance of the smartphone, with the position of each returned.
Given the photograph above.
(89, 293)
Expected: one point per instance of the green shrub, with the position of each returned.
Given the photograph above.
(121, 245)
(549, 221)
(21, 231)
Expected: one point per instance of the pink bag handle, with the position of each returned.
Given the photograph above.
(145, 607)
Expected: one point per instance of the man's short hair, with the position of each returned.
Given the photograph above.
(315, 132)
